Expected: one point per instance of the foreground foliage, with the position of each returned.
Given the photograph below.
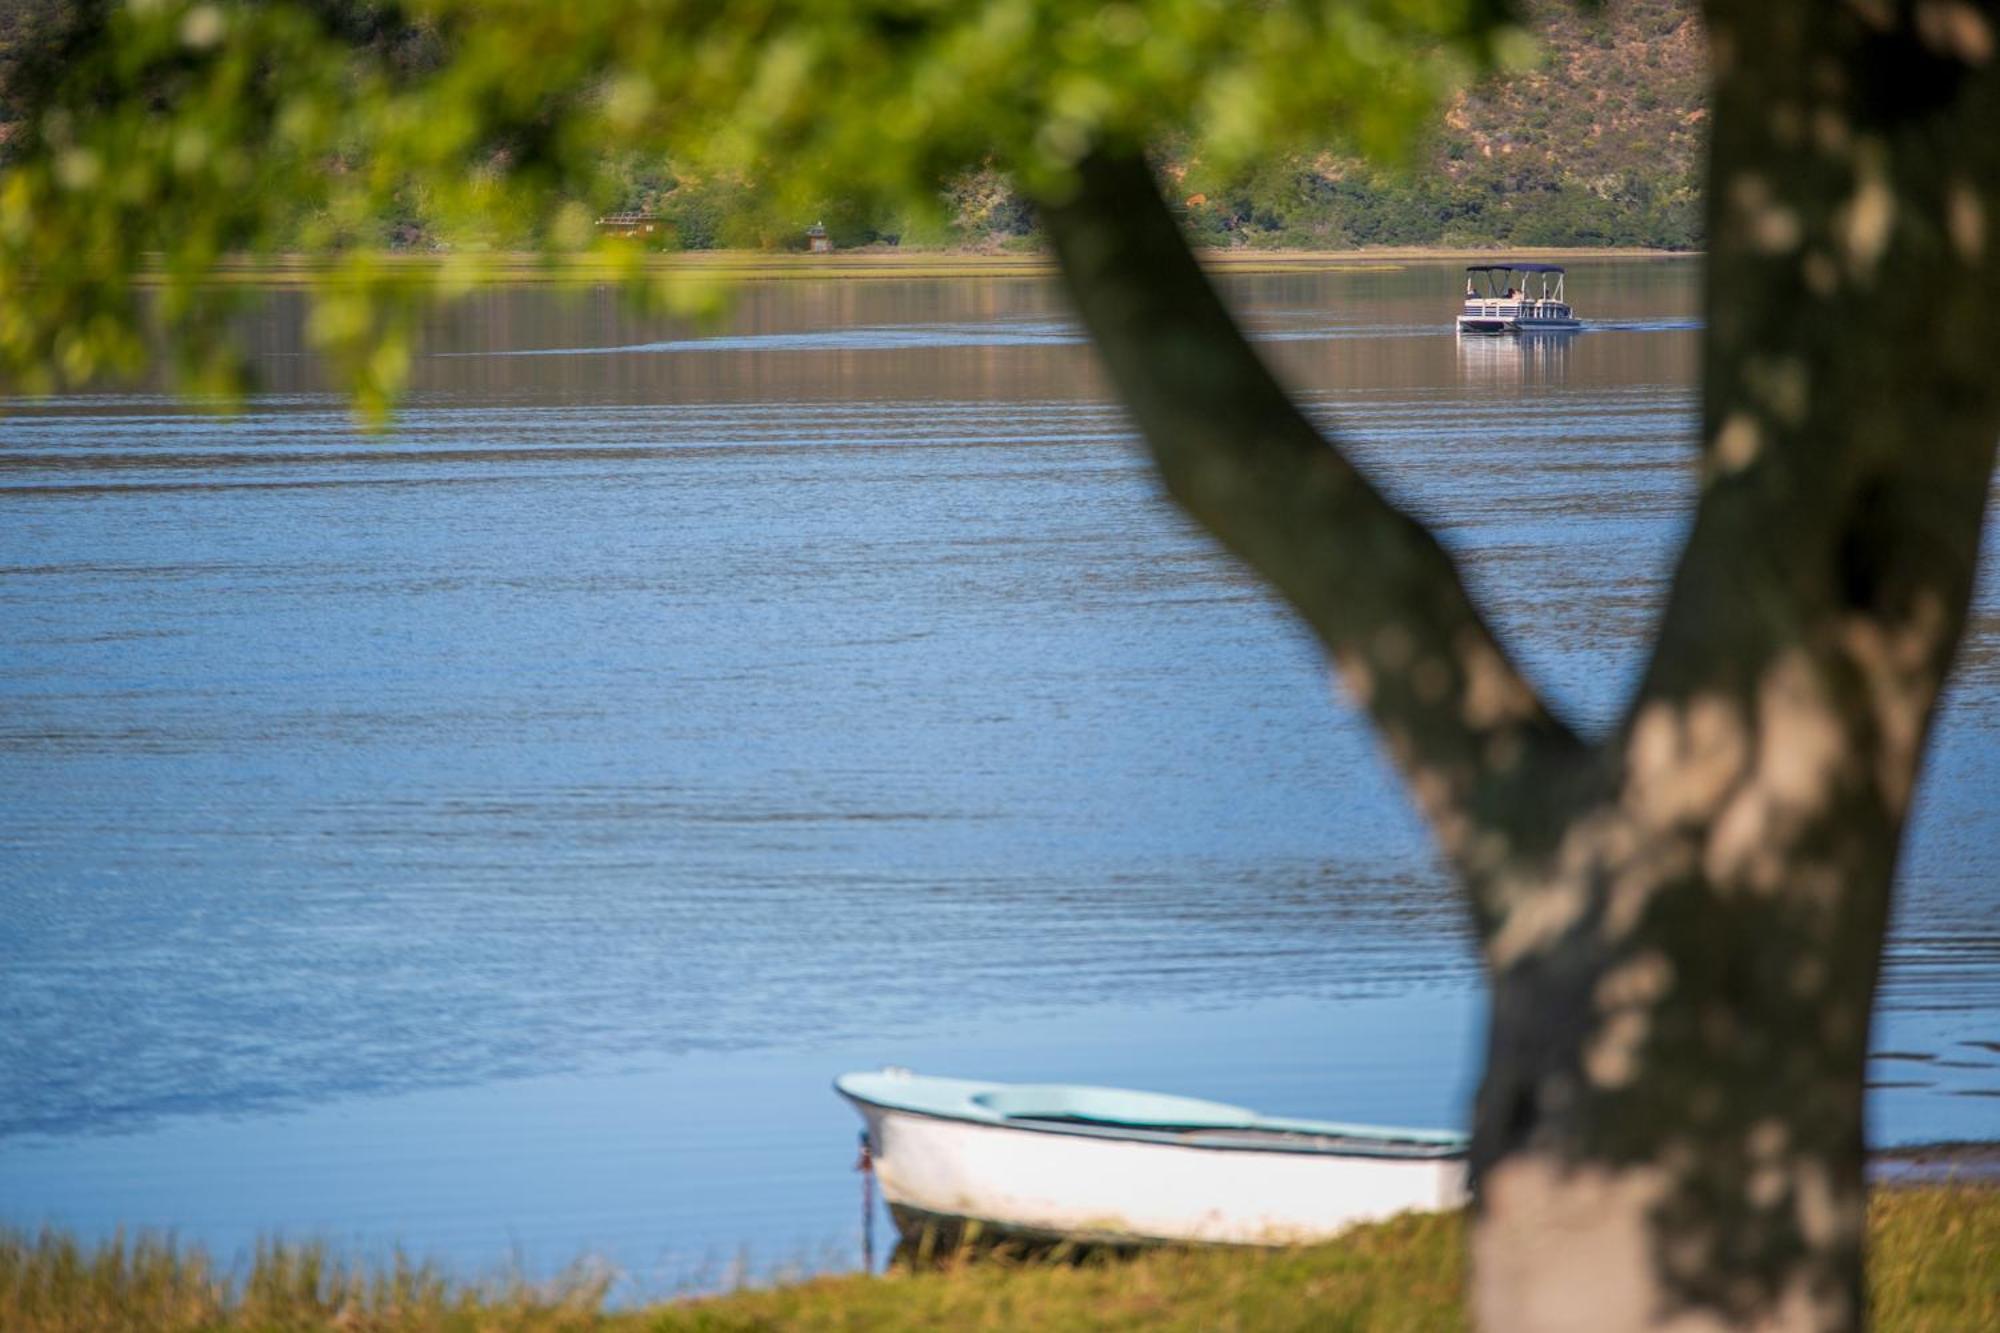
(1934, 1265)
(177, 133)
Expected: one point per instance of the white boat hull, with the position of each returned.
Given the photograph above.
(1089, 1187)
(1497, 324)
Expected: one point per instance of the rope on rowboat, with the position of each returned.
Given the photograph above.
(866, 1166)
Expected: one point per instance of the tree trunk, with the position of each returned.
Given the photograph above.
(1686, 1149)
(1682, 923)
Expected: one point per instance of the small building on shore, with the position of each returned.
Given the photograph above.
(817, 241)
(629, 224)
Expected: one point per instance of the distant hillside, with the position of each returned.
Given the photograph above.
(1601, 145)
(1619, 95)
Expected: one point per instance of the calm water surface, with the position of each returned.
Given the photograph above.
(492, 838)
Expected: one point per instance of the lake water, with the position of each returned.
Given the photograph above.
(492, 838)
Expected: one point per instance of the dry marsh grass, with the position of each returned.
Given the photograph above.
(1935, 1268)
(734, 266)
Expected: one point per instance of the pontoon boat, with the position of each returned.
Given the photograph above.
(1516, 298)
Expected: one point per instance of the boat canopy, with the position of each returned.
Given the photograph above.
(1488, 285)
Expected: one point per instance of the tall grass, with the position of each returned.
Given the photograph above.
(1935, 1268)
(50, 1283)
(1934, 1260)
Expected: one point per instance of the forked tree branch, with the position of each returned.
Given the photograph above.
(1376, 587)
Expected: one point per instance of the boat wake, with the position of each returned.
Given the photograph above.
(904, 337)
(1644, 325)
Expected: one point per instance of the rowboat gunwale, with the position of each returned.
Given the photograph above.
(1250, 1132)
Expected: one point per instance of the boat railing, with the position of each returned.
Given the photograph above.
(1505, 309)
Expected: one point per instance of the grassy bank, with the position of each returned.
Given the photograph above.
(1935, 1267)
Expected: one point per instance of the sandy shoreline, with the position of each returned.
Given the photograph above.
(1964, 1163)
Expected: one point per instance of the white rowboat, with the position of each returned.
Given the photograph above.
(1106, 1165)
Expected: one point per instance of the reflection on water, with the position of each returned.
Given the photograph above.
(506, 827)
(1528, 362)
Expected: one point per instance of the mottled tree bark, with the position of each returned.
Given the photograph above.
(1683, 921)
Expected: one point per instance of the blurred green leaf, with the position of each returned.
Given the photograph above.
(177, 135)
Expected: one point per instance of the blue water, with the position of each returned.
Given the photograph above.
(492, 838)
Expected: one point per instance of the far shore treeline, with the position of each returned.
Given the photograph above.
(1599, 145)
